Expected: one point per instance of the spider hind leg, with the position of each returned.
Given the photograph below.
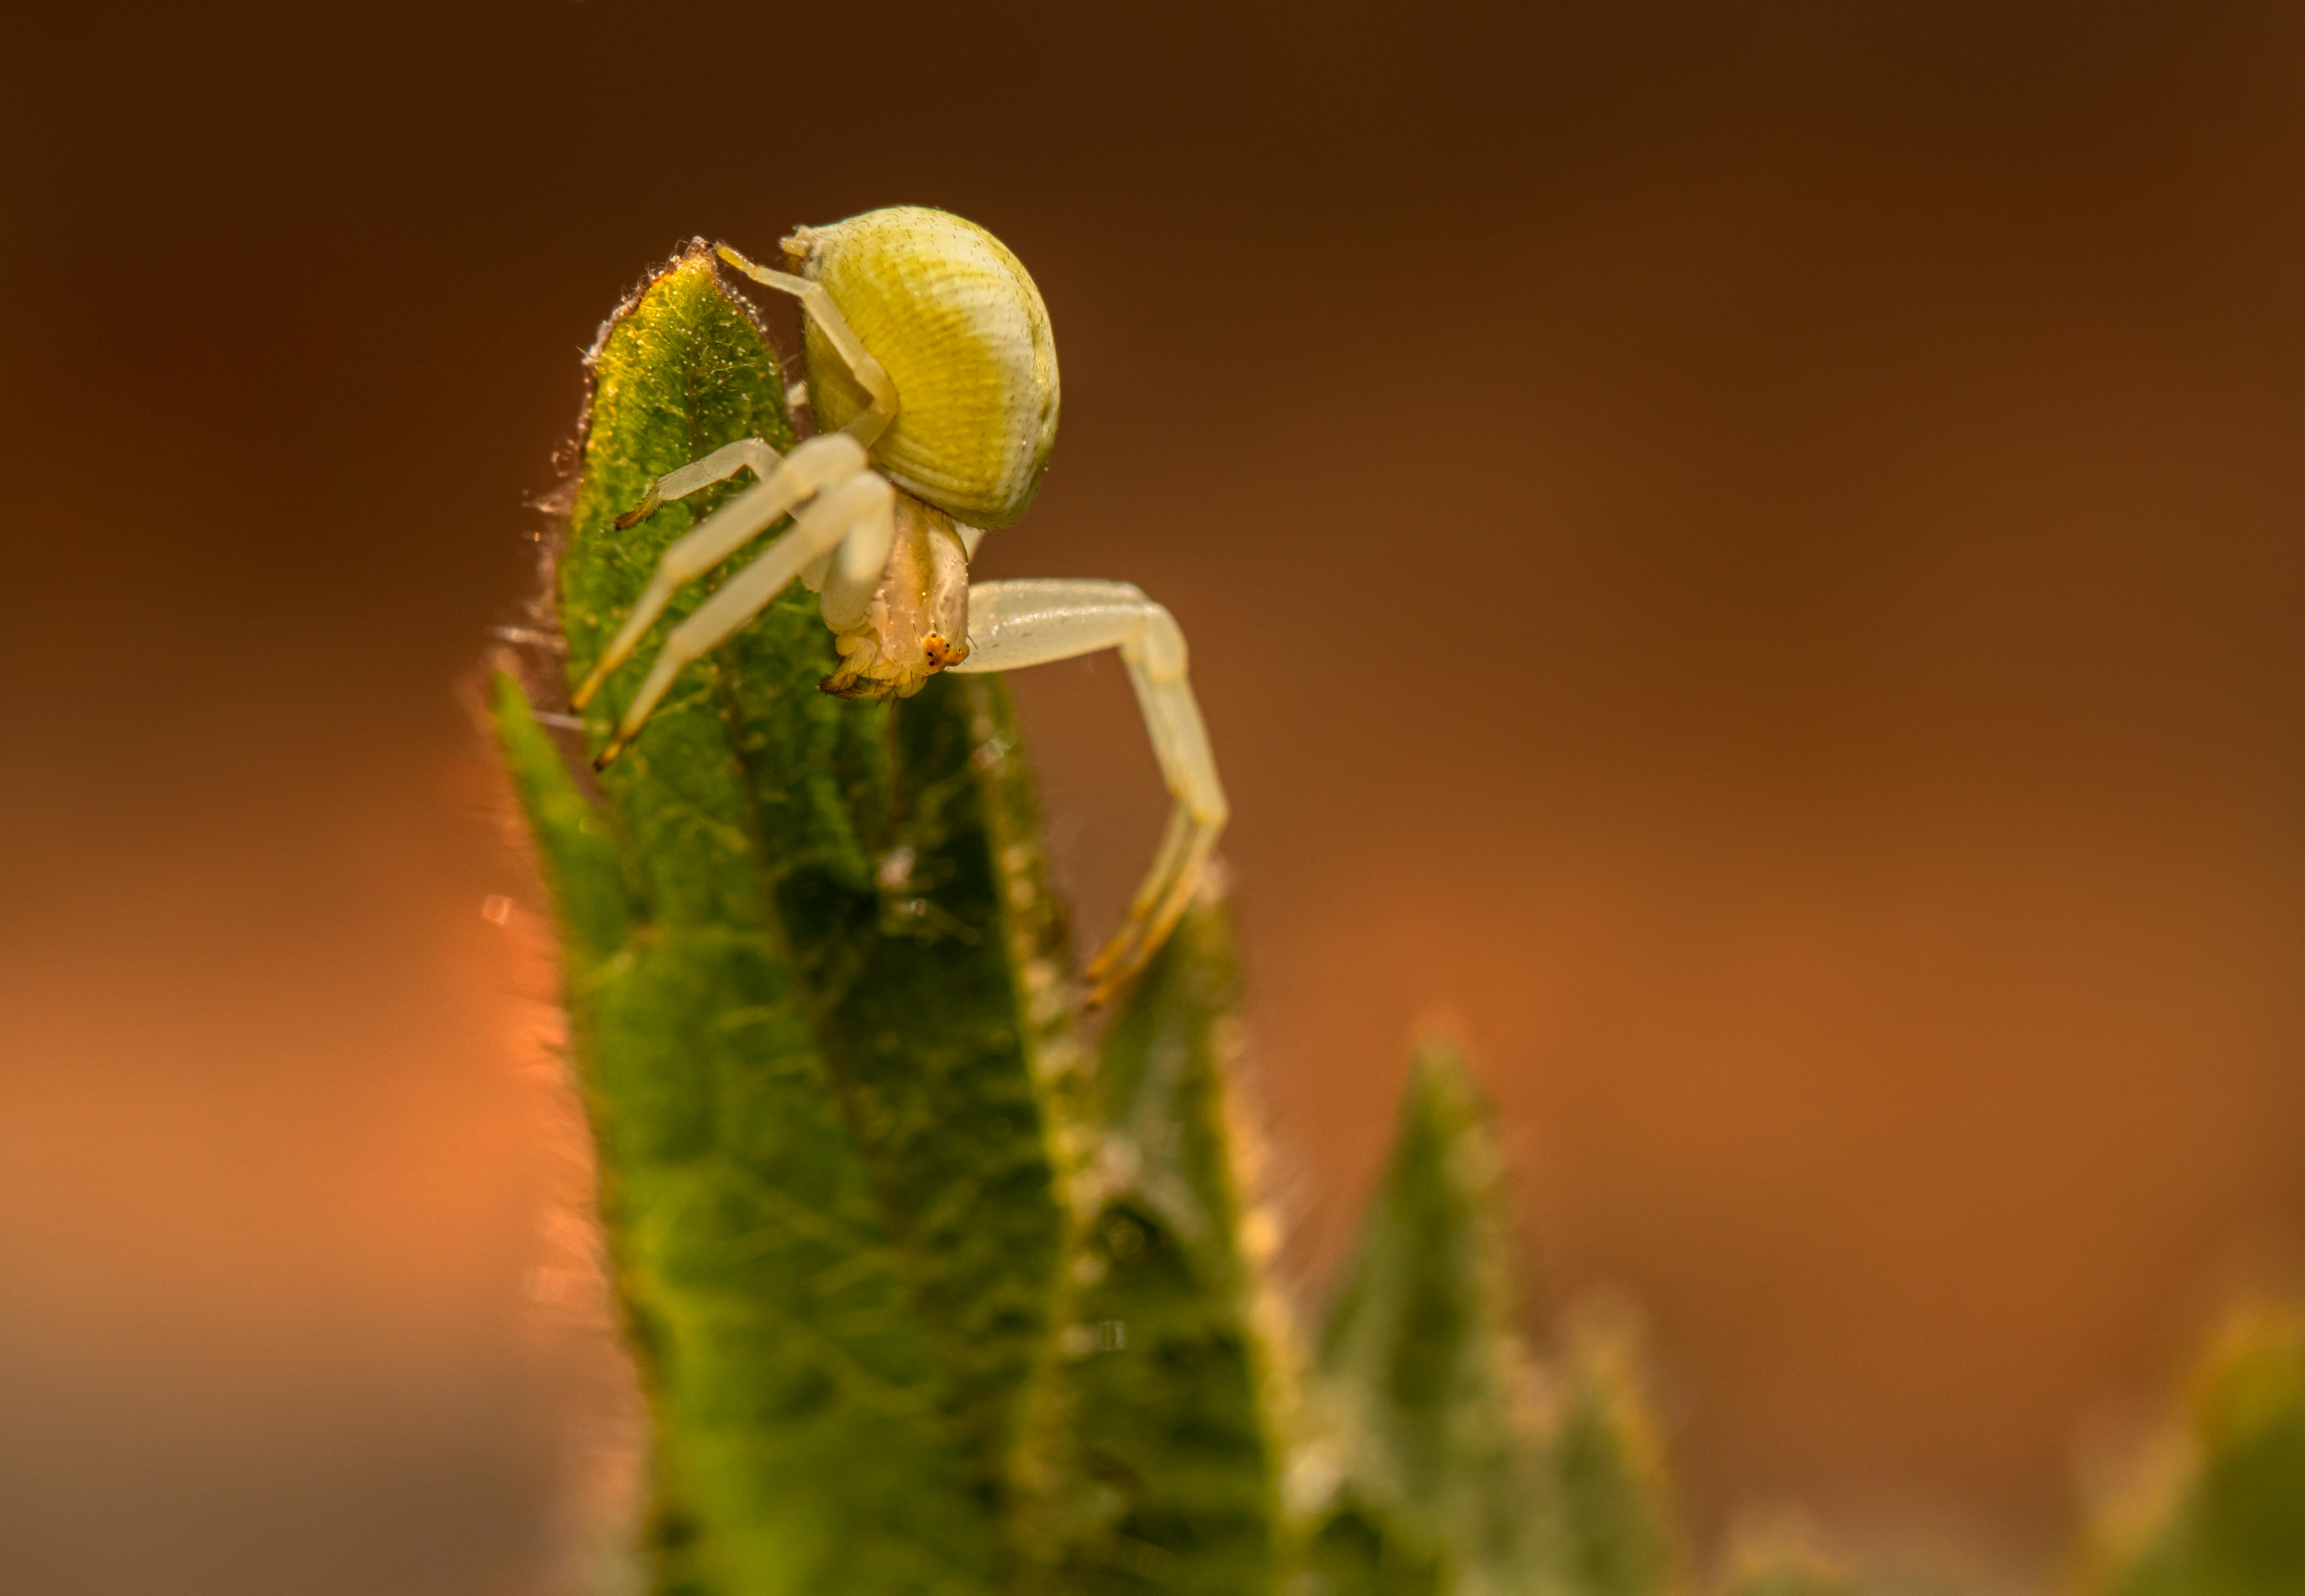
(1017, 623)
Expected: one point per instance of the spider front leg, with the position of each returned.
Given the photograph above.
(817, 305)
(1012, 624)
(856, 516)
(817, 464)
(719, 466)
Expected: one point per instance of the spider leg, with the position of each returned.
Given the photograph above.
(860, 511)
(1012, 624)
(815, 465)
(870, 374)
(719, 466)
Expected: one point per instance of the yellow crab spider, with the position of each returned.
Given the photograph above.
(931, 366)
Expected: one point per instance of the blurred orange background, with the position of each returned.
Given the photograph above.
(1745, 560)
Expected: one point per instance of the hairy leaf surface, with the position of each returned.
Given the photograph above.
(823, 1033)
(1167, 1395)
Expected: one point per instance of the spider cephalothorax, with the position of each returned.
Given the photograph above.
(916, 621)
(932, 371)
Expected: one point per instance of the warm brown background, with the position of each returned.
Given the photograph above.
(1749, 562)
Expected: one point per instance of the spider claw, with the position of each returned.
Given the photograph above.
(1169, 891)
(639, 512)
(1116, 963)
(1109, 956)
(1100, 991)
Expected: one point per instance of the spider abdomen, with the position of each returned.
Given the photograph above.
(955, 319)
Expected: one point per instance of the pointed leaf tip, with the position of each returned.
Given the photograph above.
(1424, 1374)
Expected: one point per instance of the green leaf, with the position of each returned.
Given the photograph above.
(2225, 1515)
(584, 871)
(1520, 1479)
(1165, 1457)
(1423, 1373)
(1357, 1550)
(1612, 1521)
(824, 1035)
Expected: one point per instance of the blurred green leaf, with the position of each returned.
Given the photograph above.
(1611, 1522)
(1424, 1374)
(2225, 1516)
(1357, 1550)
(1519, 1479)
